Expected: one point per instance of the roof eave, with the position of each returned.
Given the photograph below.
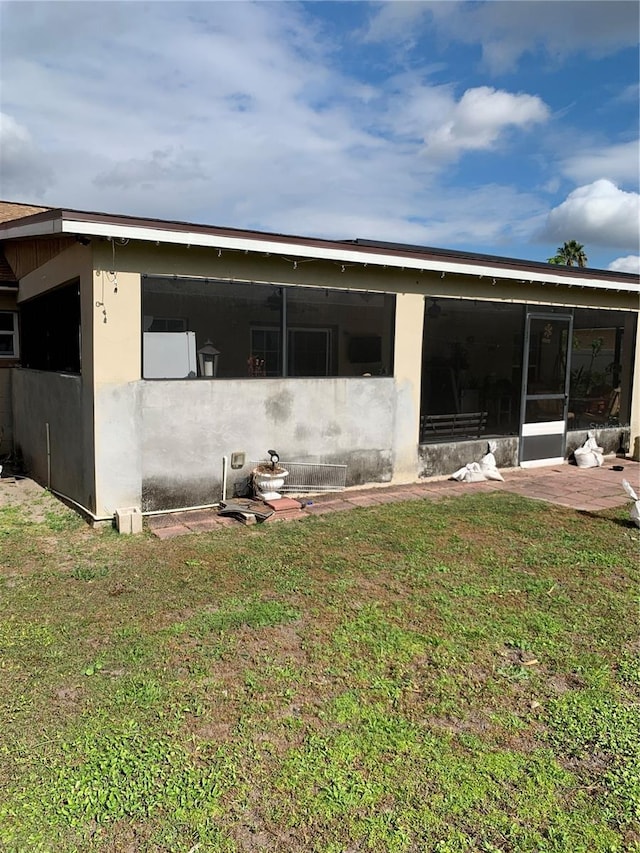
(58, 222)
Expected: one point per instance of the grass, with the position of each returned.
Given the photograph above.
(437, 677)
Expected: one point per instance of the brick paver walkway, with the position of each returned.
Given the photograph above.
(586, 489)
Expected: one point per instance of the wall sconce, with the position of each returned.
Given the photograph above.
(208, 359)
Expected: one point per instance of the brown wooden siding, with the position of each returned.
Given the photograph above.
(27, 255)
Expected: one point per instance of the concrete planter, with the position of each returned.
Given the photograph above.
(267, 481)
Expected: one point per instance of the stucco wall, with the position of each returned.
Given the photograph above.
(118, 433)
(188, 426)
(440, 460)
(40, 397)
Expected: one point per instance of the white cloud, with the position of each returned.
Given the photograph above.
(494, 214)
(397, 21)
(629, 263)
(618, 163)
(507, 29)
(600, 214)
(171, 114)
(159, 168)
(560, 28)
(22, 166)
(478, 119)
(168, 115)
(629, 95)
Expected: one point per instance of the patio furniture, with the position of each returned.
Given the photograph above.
(456, 425)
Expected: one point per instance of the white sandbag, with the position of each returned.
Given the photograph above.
(635, 509)
(478, 472)
(589, 455)
(488, 464)
(471, 473)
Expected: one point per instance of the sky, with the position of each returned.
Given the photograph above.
(503, 127)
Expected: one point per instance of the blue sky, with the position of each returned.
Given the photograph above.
(499, 127)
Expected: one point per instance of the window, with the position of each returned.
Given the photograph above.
(8, 334)
(309, 352)
(51, 330)
(472, 362)
(165, 324)
(601, 368)
(265, 357)
(265, 330)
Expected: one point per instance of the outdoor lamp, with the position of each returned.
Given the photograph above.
(274, 457)
(208, 359)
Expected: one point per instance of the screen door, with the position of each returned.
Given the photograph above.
(546, 389)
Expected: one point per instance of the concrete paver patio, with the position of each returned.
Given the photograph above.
(584, 489)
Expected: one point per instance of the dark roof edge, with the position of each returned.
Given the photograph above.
(358, 245)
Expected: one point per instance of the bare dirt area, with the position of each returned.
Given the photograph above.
(33, 500)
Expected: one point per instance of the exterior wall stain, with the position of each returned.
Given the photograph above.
(332, 429)
(301, 432)
(279, 406)
(169, 493)
(365, 466)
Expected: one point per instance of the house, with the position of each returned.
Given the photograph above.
(143, 355)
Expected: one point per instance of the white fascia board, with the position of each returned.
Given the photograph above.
(297, 250)
(34, 229)
(345, 256)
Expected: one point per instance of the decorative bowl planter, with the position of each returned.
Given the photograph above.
(267, 479)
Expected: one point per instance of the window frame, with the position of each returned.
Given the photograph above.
(292, 331)
(164, 295)
(14, 335)
(261, 352)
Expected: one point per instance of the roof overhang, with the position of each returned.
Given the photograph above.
(76, 223)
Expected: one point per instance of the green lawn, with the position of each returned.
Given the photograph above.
(447, 676)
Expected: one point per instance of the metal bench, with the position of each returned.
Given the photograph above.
(457, 425)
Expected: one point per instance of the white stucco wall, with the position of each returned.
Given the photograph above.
(407, 371)
(189, 425)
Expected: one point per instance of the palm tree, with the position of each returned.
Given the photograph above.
(569, 254)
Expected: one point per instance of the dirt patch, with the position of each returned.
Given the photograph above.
(33, 500)
(281, 643)
(68, 699)
(561, 684)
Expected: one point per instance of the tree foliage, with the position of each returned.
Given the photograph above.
(570, 254)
